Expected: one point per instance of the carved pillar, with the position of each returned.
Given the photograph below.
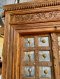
(55, 55)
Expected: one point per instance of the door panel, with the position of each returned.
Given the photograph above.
(36, 57)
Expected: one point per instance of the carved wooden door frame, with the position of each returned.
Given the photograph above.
(22, 22)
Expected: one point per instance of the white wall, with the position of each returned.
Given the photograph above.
(15, 1)
(4, 2)
(25, 1)
(10, 1)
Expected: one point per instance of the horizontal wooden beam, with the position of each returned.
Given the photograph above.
(41, 30)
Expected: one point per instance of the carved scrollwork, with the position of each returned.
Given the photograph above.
(36, 17)
(47, 15)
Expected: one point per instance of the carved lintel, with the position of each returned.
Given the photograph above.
(36, 17)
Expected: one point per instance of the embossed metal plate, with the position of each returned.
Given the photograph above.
(29, 42)
(29, 71)
(43, 41)
(45, 72)
(44, 56)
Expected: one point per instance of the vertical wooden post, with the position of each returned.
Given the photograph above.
(55, 55)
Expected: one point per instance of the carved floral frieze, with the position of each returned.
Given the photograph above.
(36, 17)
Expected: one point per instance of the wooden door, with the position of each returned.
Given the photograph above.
(36, 57)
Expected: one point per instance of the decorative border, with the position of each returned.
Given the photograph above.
(35, 17)
(29, 5)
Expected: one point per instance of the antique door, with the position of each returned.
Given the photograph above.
(31, 41)
(37, 61)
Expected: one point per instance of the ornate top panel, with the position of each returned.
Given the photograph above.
(33, 4)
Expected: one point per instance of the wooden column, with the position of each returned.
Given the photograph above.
(55, 55)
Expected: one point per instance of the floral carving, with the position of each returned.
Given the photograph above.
(36, 17)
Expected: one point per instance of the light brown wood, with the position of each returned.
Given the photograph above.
(25, 20)
(55, 54)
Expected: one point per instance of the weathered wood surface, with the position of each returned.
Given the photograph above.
(28, 18)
